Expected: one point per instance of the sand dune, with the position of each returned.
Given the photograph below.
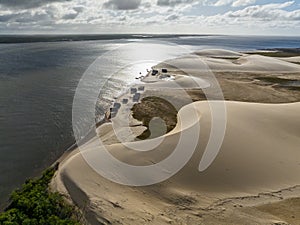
(260, 153)
(218, 53)
(223, 60)
(295, 59)
(257, 167)
(251, 63)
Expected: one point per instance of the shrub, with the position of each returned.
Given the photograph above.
(34, 204)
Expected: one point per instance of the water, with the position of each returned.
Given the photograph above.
(37, 86)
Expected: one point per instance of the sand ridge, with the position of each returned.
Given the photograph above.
(248, 63)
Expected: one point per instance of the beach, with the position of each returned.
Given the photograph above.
(155, 112)
(39, 80)
(252, 179)
(235, 179)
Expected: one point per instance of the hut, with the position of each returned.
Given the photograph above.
(133, 90)
(154, 72)
(125, 101)
(117, 105)
(164, 70)
(113, 110)
(136, 97)
(113, 115)
(141, 88)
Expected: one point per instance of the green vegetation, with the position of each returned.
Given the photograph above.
(278, 53)
(35, 204)
(275, 80)
(290, 84)
(153, 107)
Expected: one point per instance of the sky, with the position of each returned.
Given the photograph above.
(240, 17)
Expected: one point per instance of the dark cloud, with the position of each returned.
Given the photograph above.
(173, 2)
(70, 16)
(28, 18)
(25, 4)
(122, 4)
(5, 18)
(79, 8)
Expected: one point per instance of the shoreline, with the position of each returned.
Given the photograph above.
(72, 149)
(258, 51)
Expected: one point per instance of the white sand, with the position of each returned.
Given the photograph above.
(295, 59)
(218, 53)
(260, 153)
(222, 60)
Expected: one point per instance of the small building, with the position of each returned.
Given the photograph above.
(125, 101)
(136, 97)
(113, 110)
(117, 105)
(133, 90)
(113, 115)
(154, 72)
(164, 70)
(141, 88)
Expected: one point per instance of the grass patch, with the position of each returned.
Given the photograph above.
(291, 84)
(275, 54)
(278, 53)
(298, 63)
(275, 80)
(151, 107)
(278, 80)
(35, 204)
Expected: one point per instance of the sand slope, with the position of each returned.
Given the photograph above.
(220, 53)
(224, 60)
(260, 153)
(295, 59)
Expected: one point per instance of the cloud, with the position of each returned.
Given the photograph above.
(47, 14)
(234, 3)
(25, 17)
(151, 16)
(172, 17)
(70, 16)
(122, 4)
(26, 4)
(223, 2)
(174, 2)
(6, 17)
(240, 3)
(267, 12)
(79, 8)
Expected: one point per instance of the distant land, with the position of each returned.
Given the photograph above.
(90, 37)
